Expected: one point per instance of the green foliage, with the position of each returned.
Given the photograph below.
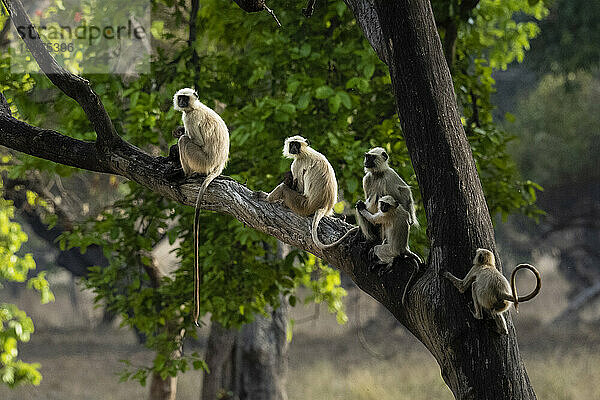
(560, 130)
(489, 38)
(241, 275)
(15, 325)
(570, 39)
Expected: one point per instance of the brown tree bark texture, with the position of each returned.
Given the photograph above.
(475, 362)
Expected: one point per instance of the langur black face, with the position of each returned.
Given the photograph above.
(294, 147)
(384, 207)
(373, 159)
(370, 160)
(183, 101)
(481, 258)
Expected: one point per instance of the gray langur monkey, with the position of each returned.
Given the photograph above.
(381, 180)
(203, 149)
(311, 188)
(390, 217)
(490, 289)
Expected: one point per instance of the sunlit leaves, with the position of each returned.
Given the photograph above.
(15, 325)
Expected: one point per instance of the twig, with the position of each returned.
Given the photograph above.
(310, 8)
(273, 15)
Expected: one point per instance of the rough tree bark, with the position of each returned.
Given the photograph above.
(475, 362)
(164, 388)
(251, 363)
(263, 346)
(219, 349)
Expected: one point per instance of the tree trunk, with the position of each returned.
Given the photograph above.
(162, 389)
(264, 364)
(475, 362)
(250, 364)
(219, 351)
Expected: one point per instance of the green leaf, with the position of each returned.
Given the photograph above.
(303, 101)
(345, 98)
(369, 70)
(324, 92)
(334, 104)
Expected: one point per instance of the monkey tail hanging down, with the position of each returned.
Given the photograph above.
(203, 149)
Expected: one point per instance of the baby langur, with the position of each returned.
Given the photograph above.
(490, 289)
(391, 217)
(312, 187)
(381, 180)
(203, 149)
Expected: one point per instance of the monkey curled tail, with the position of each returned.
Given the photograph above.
(513, 285)
(312, 186)
(490, 289)
(203, 149)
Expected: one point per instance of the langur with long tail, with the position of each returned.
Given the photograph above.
(311, 188)
(490, 290)
(204, 150)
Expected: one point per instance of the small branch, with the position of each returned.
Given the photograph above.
(72, 85)
(273, 15)
(192, 41)
(310, 9)
(256, 6)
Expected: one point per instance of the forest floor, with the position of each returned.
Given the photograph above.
(326, 360)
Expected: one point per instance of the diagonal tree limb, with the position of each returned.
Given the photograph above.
(74, 86)
(49, 145)
(224, 195)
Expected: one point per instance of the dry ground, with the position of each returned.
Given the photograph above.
(327, 361)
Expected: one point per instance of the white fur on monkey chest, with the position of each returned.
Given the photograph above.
(192, 128)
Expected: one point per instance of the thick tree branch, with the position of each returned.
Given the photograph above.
(72, 85)
(369, 24)
(49, 145)
(224, 195)
(475, 362)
